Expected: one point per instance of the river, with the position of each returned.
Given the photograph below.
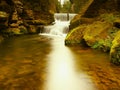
(38, 62)
(43, 62)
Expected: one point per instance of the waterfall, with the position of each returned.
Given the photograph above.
(60, 26)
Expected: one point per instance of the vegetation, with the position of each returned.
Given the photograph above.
(65, 8)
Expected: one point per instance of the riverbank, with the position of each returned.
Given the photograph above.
(97, 26)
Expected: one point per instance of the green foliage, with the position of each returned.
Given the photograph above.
(65, 8)
(58, 7)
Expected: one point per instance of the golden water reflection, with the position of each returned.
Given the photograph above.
(62, 74)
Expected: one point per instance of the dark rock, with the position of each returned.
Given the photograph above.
(3, 20)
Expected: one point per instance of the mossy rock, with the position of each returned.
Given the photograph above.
(75, 36)
(98, 35)
(115, 49)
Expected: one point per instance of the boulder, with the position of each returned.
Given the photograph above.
(75, 36)
(100, 35)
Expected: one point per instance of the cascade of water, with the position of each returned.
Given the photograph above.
(61, 24)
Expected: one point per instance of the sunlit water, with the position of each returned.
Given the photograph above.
(62, 74)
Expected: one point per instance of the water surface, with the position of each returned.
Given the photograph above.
(41, 62)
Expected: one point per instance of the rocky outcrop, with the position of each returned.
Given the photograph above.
(25, 17)
(97, 26)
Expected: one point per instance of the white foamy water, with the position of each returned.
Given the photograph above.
(61, 25)
(61, 70)
(62, 74)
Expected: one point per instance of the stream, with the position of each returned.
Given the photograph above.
(43, 62)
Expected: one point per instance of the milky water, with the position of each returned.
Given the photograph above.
(62, 73)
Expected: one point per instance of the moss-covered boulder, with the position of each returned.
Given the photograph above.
(97, 35)
(75, 36)
(115, 49)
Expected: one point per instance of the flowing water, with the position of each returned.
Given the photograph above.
(43, 62)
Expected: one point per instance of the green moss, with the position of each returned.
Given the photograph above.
(104, 45)
(115, 49)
